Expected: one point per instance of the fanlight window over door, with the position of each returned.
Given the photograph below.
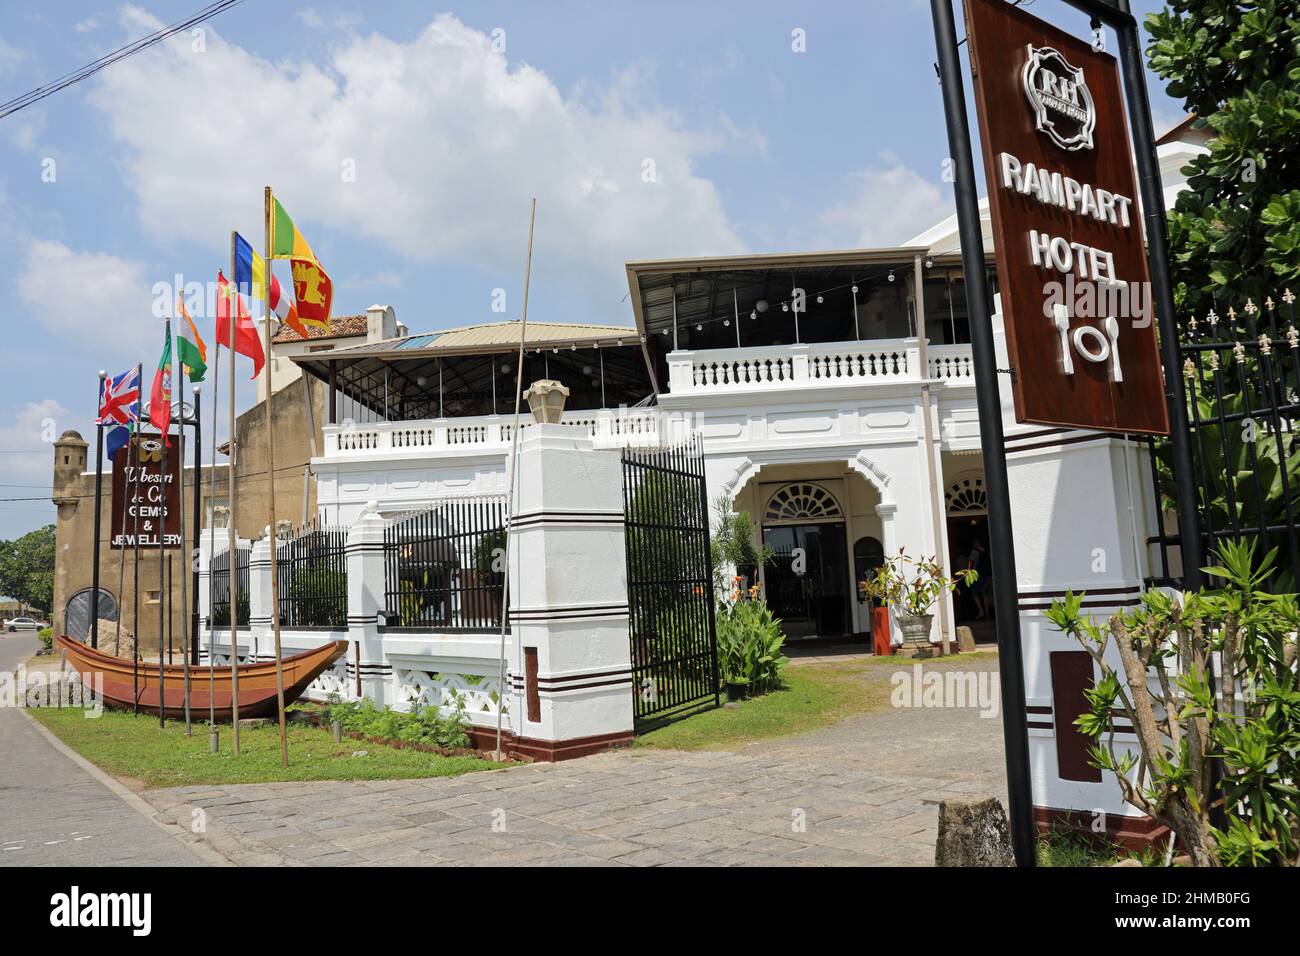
(966, 496)
(802, 502)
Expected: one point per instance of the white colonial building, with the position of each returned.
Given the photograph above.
(833, 399)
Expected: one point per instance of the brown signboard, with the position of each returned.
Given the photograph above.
(146, 493)
(1067, 231)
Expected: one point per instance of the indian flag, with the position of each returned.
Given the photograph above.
(190, 349)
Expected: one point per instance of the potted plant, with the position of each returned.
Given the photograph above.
(910, 587)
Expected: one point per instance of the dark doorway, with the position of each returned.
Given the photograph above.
(963, 532)
(808, 579)
(868, 555)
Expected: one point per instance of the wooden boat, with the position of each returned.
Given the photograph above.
(256, 681)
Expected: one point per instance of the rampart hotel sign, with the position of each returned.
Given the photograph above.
(1068, 236)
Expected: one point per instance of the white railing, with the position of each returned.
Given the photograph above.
(951, 363)
(879, 361)
(608, 428)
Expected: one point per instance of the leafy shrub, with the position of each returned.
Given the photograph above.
(46, 634)
(1183, 722)
(749, 646)
(423, 724)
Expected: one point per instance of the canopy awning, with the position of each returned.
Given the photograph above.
(471, 370)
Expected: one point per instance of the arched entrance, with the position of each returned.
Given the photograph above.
(808, 577)
(76, 614)
(967, 511)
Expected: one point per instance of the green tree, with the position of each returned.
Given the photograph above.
(1235, 232)
(27, 568)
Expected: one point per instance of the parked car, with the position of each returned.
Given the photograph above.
(23, 624)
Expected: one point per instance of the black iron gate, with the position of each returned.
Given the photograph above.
(311, 566)
(1241, 381)
(669, 583)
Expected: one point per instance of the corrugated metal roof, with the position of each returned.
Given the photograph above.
(492, 336)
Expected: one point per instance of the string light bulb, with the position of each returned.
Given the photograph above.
(855, 290)
(820, 300)
(891, 275)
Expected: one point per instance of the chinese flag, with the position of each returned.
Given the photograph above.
(247, 341)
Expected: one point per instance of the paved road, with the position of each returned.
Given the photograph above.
(862, 792)
(54, 813)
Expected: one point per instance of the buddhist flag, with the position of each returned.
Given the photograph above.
(251, 272)
(160, 397)
(190, 349)
(247, 341)
(311, 285)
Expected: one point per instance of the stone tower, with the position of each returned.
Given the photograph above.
(69, 463)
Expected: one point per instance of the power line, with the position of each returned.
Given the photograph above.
(108, 59)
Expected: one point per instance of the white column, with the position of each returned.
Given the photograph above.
(1081, 505)
(365, 568)
(259, 599)
(568, 597)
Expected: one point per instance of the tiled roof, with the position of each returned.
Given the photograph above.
(341, 326)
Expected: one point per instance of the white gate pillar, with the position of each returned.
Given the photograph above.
(367, 669)
(260, 605)
(570, 660)
(1081, 507)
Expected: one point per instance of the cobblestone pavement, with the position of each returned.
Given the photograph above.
(55, 813)
(862, 792)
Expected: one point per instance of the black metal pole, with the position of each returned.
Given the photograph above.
(1015, 732)
(99, 507)
(1162, 293)
(198, 531)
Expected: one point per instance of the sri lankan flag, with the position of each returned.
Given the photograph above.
(311, 285)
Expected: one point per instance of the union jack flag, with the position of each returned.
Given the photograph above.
(119, 408)
(119, 400)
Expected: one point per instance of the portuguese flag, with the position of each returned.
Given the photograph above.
(160, 397)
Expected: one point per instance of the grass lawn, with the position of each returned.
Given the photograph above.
(135, 747)
(815, 695)
(1060, 849)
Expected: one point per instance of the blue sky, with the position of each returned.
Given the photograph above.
(406, 142)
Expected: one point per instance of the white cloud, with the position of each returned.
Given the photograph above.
(28, 443)
(86, 298)
(448, 141)
(886, 206)
(86, 25)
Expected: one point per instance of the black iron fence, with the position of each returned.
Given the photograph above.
(311, 567)
(220, 571)
(1241, 380)
(444, 566)
(669, 582)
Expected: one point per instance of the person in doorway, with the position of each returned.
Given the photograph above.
(978, 562)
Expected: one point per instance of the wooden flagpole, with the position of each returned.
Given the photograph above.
(135, 573)
(270, 472)
(514, 465)
(164, 602)
(233, 306)
(185, 569)
(214, 737)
